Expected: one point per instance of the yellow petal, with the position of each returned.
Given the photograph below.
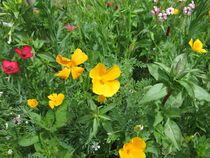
(112, 73)
(97, 71)
(59, 99)
(176, 11)
(203, 51)
(78, 57)
(137, 154)
(76, 72)
(138, 143)
(64, 74)
(123, 154)
(191, 42)
(105, 88)
(52, 96)
(101, 98)
(32, 103)
(63, 61)
(197, 45)
(51, 104)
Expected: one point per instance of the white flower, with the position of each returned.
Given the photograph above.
(6, 125)
(170, 11)
(192, 5)
(10, 152)
(1, 94)
(187, 10)
(95, 146)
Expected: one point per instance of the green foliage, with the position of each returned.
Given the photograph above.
(165, 86)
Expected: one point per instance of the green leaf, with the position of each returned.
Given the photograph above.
(153, 69)
(154, 93)
(188, 86)
(158, 119)
(61, 115)
(172, 131)
(107, 108)
(28, 140)
(47, 57)
(200, 93)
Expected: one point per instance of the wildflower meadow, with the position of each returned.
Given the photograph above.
(105, 79)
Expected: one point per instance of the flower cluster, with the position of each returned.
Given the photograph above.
(188, 9)
(134, 149)
(54, 100)
(164, 14)
(10, 67)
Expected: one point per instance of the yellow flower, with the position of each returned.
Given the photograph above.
(209, 13)
(103, 80)
(101, 98)
(134, 149)
(55, 99)
(176, 11)
(32, 103)
(197, 46)
(71, 64)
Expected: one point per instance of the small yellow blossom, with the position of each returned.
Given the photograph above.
(101, 98)
(55, 99)
(176, 11)
(134, 149)
(32, 103)
(209, 13)
(71, 65)
(104, 81)
(197, 46)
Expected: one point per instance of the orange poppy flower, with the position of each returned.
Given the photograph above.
(78, 58)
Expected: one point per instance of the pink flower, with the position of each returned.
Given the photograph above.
(155, 1)
(25, 52)
(192, 5)
(187, 10)
(70, 28)
(162, 16)
(10, 67)
(170, 11)
(155, 11)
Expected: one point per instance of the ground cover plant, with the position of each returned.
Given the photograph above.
(115, 78)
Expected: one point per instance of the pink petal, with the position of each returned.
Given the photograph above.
(17, 50)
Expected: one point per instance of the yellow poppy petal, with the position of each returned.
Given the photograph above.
(64, 74)
(191, 42)
(106, 88)
(63, 61)
(51, 104)
(197, 45)
(78, 57)
(52, 96)
(59, 99)
(112, 73)
(137, 154)
(203, 51)
(138, 143)
(76, 72)
(97, 71)
(123, 154)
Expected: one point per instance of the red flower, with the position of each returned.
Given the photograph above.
(70, 28)
(25, 52)
(108, 4)
(10, 67)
